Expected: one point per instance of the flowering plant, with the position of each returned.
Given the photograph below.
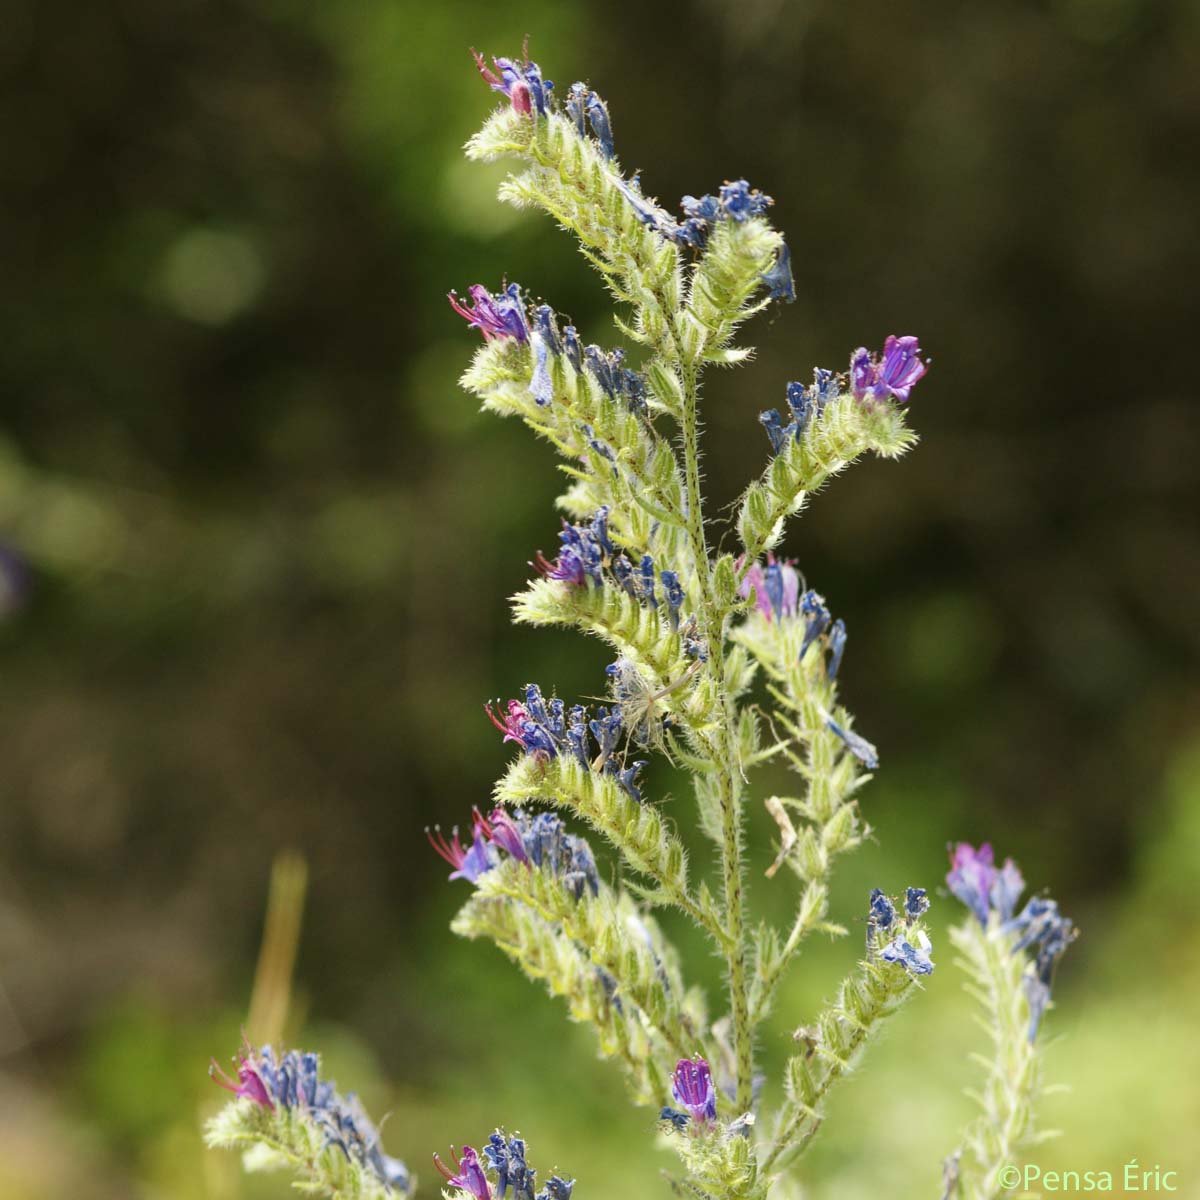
(693, 631)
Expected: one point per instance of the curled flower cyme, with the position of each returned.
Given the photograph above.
(289, 1087)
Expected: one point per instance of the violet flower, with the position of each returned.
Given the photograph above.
(522, 83)
(494, 316)
(972, 874)
(468, 863)
(468, 1174)
(895, 375)
(692, 1089)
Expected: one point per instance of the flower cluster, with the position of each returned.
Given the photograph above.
(894, 926)
(541, 842)
(544, 730)
(776, 589)
(693, 1091)
(805, 405)
(291, 1084)
(501, 1167)
(735, 201)
(1040, 927)
(892, 375)
(586, 549)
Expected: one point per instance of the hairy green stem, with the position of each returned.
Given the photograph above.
(725, 757)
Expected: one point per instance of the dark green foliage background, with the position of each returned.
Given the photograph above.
(269, 541)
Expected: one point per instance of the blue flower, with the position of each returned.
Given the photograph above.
(506, 1157)
(597, 112)
(813, 607)
(627, 780)
(706, 208)
(673, 590)
(916, 903)
(1006, 889)
(615, 379)
(622, 570)
(556, 1188)
(779, 433)
(837, 647)
(576, 104)
(647, 580)
(883, 912)
(545, 323)
(858, 746)
(740, 202)
(599, 445)
(914, 959)
(572, 349)
(778, 278)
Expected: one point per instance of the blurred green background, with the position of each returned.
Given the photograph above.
(254, 544)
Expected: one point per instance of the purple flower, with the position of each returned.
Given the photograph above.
(494, 316)
(584, 549)
(692, 1089)
(1006, 889)
(776, 587)
(470, 863)
(250, 1084)
(972, 874)
(518, 726)
(501, 830)
(522, 83)
(895, 375)
(468, 1173)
